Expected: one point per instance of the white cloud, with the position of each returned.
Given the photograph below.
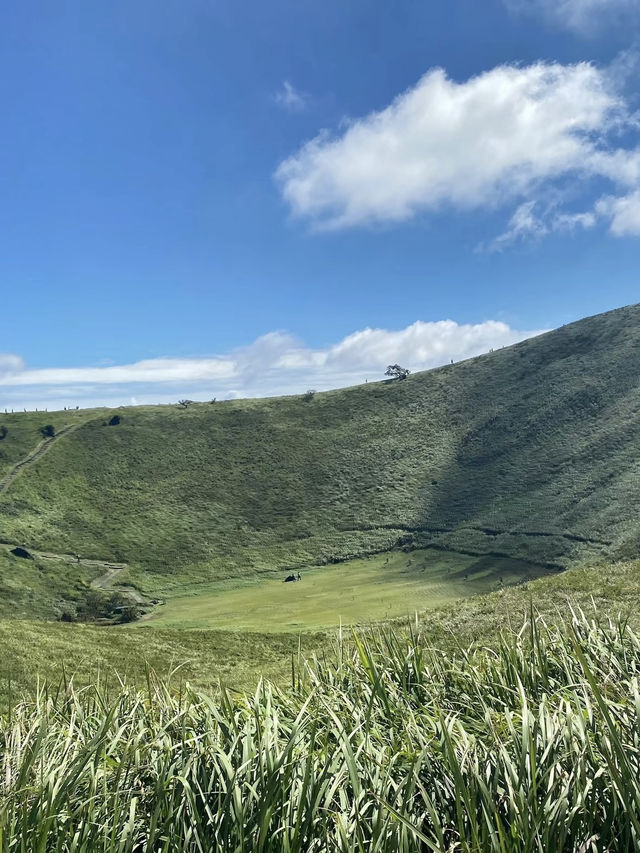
(274, 364)
(529, 223)
(583, 16)
(290, 98)
(10, 364)
(573, 221)
(624, 213)
(468, 145)
(514, 135)
(152, 370)
(523, 225)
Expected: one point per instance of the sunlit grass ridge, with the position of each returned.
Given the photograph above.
(391, 745)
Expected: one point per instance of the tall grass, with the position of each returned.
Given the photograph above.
(391, 745)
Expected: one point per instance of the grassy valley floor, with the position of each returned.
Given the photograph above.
(56, 653)
(377, 588)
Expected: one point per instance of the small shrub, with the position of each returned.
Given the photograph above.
(68, 614)
(130, 613)
(22, 553)
(115, 420)
(182, 404)
(48, 431)
(309, 395)
(3, 432)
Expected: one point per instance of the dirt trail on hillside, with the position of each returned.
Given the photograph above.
(108, 577)
(36, 453)
(106, 581)
(103, 581)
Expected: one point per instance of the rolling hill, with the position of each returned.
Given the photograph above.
(529, 452)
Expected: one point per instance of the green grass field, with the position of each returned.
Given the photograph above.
(54, 652)
(529, 452)
(358, 591)
(524, 457)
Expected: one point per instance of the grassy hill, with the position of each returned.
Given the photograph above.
(481, 477)
(530, 452)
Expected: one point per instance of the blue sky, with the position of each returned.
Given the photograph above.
(206, 199)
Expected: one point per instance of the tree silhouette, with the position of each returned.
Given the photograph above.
(397, 372)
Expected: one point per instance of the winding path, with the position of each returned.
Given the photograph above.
(103, 581)
(106, 580)
(39, 451)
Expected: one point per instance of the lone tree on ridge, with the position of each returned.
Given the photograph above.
(397, 372)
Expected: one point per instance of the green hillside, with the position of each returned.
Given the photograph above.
(529, 452)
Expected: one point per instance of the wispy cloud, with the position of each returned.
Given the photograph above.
(531, 222)
(152, 370)
(514, 135)
(523, 225)
(585, 17)
(624, 213)
(10, 363)
(290, 98)
(274, 364)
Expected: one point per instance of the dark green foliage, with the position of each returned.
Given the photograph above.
(397, 372)
(114, 421)
(3, 432)
(97, 605)
(22, 553)
(129, 613)
(48, 431)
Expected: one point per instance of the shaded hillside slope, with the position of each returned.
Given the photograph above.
(530, 451)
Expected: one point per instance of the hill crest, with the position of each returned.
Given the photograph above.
(530, 452)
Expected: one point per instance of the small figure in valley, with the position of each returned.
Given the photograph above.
(299, 578)
(77, 558)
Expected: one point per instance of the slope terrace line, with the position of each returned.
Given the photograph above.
(489, 531)
(35, 454)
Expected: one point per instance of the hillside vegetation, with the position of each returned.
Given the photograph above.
(389, 745)
(530, 452)
(453, 728)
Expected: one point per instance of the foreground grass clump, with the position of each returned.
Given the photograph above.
(392, 746)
